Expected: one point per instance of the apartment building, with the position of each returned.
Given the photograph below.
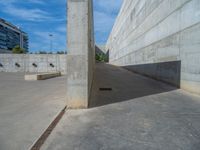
(10, 36)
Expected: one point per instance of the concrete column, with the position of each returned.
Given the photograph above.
(80, 52)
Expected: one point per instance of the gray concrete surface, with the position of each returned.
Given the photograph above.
(169, 72)
(31, 63)
(41, 76)
(2, 51)
(27, 108)
(156, 31)
(138, 114)
(125, 85)
(81, 52)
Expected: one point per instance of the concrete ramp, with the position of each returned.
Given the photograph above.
(114, 84)
(138, 113)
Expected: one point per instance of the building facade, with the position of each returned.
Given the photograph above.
(10, 36)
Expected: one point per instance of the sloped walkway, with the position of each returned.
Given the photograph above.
(138, 114)
(125, 85)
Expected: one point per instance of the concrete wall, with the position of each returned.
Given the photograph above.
(25, 63)
(81, 53)
(152, 33)
(2, 51)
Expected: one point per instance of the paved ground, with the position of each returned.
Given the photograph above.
(27, 108)
(138, 114)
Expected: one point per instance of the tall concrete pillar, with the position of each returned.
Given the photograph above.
(80, 61)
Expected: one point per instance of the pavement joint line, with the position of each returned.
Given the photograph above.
(42, 138)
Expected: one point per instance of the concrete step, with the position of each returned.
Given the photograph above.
(43, 76)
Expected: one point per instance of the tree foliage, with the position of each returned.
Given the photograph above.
(42, 52)
(101, 57)
(60, 52)
(18, 50)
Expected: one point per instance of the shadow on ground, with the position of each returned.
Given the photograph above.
(125, 85)
(169, 72)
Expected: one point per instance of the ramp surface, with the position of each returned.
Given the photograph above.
(137, 114)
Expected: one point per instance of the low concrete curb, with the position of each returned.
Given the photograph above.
(43, 76)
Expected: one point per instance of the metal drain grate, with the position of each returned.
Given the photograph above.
(38, 144)
(105, 89)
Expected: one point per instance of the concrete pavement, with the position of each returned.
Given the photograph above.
(27, 108)
(125, 85)
(146, 115)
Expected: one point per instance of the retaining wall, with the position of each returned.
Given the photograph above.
(159, 38)
(33, 63)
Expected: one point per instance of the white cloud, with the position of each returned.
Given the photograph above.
(33, 14)
(105, 14)
(110, 6)
(62, 29)
(5, 2)
(59, 40)
(36, 1)
(27, 14)
(103, 21)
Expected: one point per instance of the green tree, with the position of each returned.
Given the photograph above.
(42, 52)
(101, 57)
(18, 50)
(60, 52)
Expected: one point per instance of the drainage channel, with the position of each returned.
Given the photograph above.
(38, 144)
(105, 89)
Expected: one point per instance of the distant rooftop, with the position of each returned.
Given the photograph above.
(11, 25)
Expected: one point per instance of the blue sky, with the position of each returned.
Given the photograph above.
(39, 18)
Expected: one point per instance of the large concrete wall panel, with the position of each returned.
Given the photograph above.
(25, 63)
(81, 53)
(190, 58)
(155, 33)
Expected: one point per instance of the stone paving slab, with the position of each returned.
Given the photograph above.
(27, 108)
